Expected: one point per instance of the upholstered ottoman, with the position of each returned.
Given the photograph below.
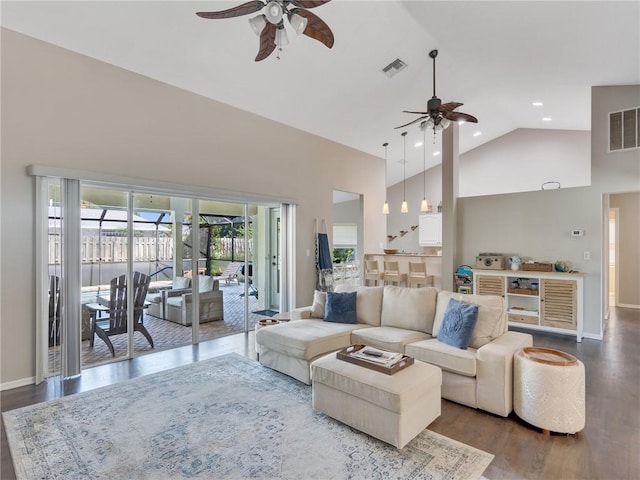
(392, 408)
(549, 389)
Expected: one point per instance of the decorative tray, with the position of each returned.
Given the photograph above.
(345, 355)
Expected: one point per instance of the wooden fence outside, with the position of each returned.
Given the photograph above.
(106, 249)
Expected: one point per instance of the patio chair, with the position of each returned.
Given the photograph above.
(116, 324)
(179, 303)
(230, 273)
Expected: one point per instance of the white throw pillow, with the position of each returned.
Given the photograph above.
(205, 283)
(319, 299)
(491, 316)
(409, 308)
(181, 282)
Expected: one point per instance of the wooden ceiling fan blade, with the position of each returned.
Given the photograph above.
(449, 107)
(412, 122)
(267, 41)
(316, 28)
(309, 3)
(458, 116)
(415, 113)
(244, 9)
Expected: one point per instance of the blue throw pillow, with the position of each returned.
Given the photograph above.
(340, 307)
(458, 323)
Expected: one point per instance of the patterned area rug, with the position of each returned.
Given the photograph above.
(227, 417)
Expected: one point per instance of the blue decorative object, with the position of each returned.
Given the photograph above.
(340, 307)
(458, 323)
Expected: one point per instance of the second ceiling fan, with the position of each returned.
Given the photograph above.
(438, 114)
(269, 26)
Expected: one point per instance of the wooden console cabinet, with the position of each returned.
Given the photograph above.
(546, 301)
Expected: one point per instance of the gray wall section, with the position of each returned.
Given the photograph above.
(628, 265)
(61, 109)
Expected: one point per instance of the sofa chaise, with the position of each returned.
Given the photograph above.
(406, 320)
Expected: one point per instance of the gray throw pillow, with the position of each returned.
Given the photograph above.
(340, 307)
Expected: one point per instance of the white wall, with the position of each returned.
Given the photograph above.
(536, 224)
(65, 110)
(516, 162)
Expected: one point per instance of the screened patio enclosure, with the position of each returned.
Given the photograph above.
(120, 232)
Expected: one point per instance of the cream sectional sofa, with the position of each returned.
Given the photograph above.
(406, 320)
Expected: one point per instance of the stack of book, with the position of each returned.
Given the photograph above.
(379, 357)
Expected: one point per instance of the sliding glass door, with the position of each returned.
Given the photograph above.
(154, 272)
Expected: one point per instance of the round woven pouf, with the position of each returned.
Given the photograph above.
(549, 389)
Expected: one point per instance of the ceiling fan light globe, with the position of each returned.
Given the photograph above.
(445, 123)
(282, 39)
(298, 23)
(258, 23)
(274, 12)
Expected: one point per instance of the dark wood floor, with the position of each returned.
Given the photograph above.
(608, 448)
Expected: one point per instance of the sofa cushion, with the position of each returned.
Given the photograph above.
(409, 308)
(340, 307)
(492, 316)
(317, 308)
(387, 338)
(306, 339)
(154, 297)
(457, 324)
(445, 356)
(181, 282)
(368, 303)
(205, 283)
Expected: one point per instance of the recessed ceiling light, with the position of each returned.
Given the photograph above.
(435, 154)
(418, 144)
(477, 134)
(546, 119)
(537, 104)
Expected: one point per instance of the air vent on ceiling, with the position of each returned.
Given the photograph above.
(394, 67)
(624, 129)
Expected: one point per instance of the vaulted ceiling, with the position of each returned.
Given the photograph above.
(495, 57)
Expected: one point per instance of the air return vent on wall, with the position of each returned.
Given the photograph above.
(394, 67)
(624, 129)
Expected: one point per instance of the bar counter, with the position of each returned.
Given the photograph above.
(433, 261)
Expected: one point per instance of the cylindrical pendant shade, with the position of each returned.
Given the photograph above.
(404, 208)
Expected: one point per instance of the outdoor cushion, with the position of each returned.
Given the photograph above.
(181, 282)
(205, 283)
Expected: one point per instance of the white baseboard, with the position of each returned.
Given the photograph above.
(593, 336)
(628, 305)
(17, 383)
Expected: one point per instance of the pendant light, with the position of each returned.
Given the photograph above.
(404, 208)
(425, 205)
(385, 207)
